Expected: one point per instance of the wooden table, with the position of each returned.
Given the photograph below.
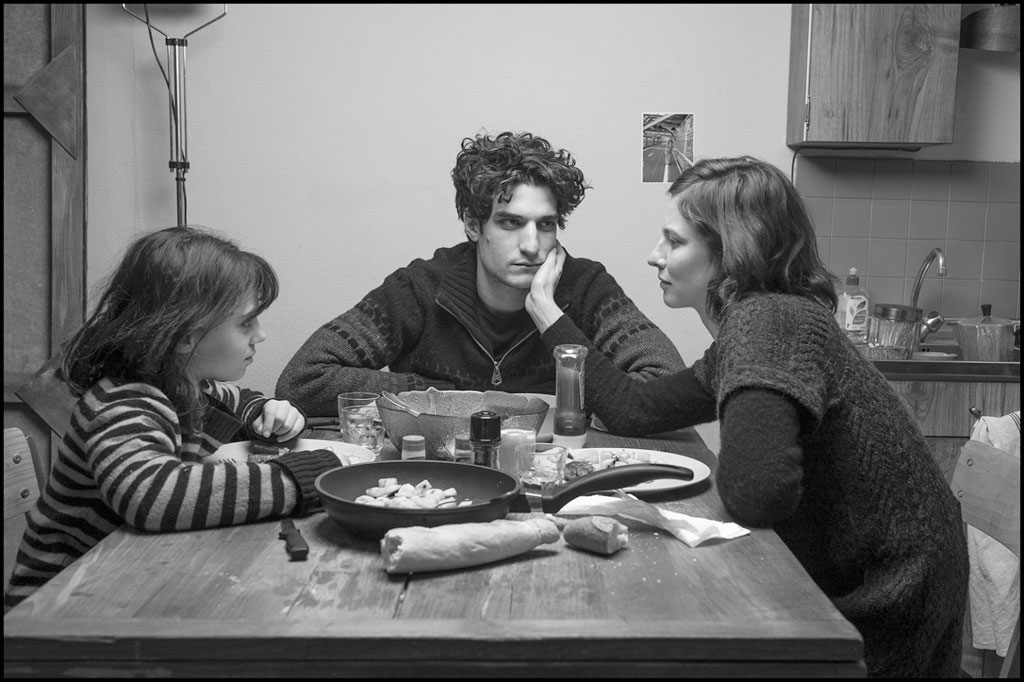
(227, 602)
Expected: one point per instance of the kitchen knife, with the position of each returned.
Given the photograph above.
(294, 543)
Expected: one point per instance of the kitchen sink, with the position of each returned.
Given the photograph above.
(947, 369)
(952, 370)
(945, 348)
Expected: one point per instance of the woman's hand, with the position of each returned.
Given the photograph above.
(279, 418)
(540, 302)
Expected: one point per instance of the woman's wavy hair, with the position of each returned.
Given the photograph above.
(492, 167)
(170, 284)
(757, 229)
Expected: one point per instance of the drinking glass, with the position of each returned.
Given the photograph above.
(508, 460)
(541, 465)
(353, 399)
(362, 425)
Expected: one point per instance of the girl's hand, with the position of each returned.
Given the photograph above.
(281, 419)
(540, 302)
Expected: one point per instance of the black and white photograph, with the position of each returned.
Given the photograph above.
(348, 340)
(668, 146)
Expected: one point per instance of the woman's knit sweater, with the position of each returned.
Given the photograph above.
(871, 517)
(125, 460)
(422, 325)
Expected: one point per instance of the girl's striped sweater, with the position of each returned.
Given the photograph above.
(125, 459)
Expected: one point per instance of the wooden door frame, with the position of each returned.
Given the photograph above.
(67, 198)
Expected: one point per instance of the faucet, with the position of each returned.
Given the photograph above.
(935, 253)
(932, 322)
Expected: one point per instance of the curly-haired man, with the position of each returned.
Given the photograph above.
(458, 320)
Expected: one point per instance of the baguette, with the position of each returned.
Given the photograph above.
(418, 549)
(599, 534)
(526, 516)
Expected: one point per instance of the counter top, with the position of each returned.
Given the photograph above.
(949, 370)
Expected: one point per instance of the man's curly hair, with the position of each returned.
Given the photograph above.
(492, 167)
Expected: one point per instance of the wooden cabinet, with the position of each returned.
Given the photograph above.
(879, 76)
(942, 410)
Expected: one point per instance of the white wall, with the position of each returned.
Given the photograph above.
(322, 136)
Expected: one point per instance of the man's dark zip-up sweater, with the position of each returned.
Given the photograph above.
(421, 324)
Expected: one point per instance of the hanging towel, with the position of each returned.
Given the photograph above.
(995, 597)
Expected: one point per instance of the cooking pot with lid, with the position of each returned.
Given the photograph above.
(985, 338)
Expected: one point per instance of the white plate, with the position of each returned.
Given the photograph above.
(699, 469)
(352, 454)
(547, 429)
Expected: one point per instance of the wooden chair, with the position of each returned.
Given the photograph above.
(49, 397)
(21, 490)
(986, 481)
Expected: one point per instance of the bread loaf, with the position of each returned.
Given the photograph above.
(418, 549)
(600, 534)
(526, 516)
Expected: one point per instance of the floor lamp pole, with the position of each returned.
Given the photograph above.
(176, 48)
(179, 128)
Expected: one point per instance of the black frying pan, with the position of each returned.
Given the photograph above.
(494, 493)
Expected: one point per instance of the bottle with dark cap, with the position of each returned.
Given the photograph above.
(485, 437)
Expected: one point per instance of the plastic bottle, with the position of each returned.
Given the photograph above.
(853, 309)
(485, 437)
(570, 423)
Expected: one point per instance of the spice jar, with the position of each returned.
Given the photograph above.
(414, 447)
(463, 449)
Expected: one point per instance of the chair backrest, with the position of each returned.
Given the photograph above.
(49, 396)
(21, 490)
(986, 480)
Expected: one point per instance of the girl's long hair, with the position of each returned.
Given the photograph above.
(757, 229)
(170, 284)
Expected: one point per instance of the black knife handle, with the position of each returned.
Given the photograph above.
(294, 544)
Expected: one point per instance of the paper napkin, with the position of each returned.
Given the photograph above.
(692, 530)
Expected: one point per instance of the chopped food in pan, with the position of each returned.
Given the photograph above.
(390, 493)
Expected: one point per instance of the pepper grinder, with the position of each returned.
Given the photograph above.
(570, 426)
(485, 437)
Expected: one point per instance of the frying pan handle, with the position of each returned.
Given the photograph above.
(610, 479)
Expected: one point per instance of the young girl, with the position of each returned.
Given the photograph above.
(177, 318)
(815, 443)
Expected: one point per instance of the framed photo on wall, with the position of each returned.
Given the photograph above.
(667, 146)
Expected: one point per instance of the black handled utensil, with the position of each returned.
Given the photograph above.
(493, 493)
(294, 543)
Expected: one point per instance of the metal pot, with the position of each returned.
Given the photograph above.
(985, 338)
(494, 492)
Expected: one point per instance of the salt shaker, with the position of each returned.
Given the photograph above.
(485, 437)
(570, 424)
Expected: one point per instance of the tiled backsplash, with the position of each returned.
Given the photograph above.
(883, 216)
